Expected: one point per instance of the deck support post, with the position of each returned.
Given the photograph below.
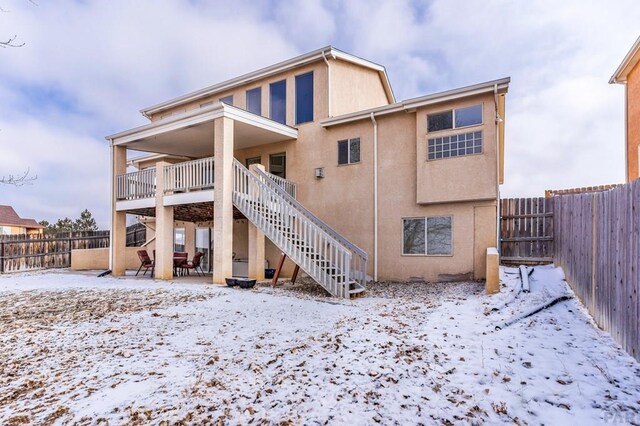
(164, 229)
(223, 200)
(118, 242)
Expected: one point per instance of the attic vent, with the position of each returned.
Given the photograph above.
(319, 172)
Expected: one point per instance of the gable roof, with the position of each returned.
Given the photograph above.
(629, 61)
(501, 85)
(327, 52)
(8, 216)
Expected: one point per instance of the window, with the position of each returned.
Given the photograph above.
(349, 151)
(206, 104)
(227, 100)
(278, 165)
(252, 160)
(254, 100)
(304, 98)
(278, 101)
(455, 119)
(454, 145)
(178, 240)
(5, 230)
(429, 236)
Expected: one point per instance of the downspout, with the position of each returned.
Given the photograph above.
(498, 120)
(112, 203)
(328, 84)
(375, 197)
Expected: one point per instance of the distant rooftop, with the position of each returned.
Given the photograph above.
(8, 216)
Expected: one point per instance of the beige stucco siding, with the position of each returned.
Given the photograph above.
(470, 177)
(355, 88)
(239, 93)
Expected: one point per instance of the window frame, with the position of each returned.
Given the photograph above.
(453, 118)
(296, 119)
(284, 80)
(249, 92)
(349, 141)
(457, 142)
(247, 160)
(426, 238)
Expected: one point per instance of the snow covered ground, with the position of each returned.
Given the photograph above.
(75, 349)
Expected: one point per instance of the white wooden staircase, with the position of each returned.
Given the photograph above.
(335, 263)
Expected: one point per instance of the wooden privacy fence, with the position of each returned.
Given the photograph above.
(28, 252)
(526, 230)
(136, 235)
(597, 243)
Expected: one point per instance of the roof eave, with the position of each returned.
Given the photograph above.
(502, 85)
(630, 60)
(301, 60)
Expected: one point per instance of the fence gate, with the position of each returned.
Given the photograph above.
(526, 230)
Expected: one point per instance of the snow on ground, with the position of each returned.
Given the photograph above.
(75, 349)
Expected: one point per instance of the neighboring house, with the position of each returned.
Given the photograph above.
(383, 189)
(628, 73)
(12, 224)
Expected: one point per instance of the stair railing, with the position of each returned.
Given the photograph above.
(358, 266)
(292, 230)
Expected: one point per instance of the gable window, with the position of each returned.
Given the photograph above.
(278, 101)
(454, 145)
(455, 118)
(430, 236)
(227, 100)
(254, 100)
(349, 151)
(304, 98)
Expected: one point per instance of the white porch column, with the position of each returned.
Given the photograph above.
(222, 200)
(256, 244)
(117, 248)
(164, 229)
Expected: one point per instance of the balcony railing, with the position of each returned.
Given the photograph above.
(189, 176)
(136, 185)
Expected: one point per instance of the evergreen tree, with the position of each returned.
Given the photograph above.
(85, 222)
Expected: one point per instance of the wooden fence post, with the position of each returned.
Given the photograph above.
(1, 257)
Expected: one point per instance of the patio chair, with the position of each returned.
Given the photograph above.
(195, 264)
(179, 260)
(145, 262)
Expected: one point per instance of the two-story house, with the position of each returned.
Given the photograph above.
(628, 73)
(314, 157)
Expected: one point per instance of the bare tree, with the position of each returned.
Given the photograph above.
(11, 42)
(19, 179)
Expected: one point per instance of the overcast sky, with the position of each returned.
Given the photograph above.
(88, 67)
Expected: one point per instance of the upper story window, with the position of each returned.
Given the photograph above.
(227, 100)
(349, 151)
(304, 98)
(454, 145)
(206, 104)
(455, 118)
(278, 101)
(254, 100)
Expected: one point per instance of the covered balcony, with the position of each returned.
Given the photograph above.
(189, 190)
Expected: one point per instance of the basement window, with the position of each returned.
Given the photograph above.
(455, 118)
(349, 151)
(430, 236)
